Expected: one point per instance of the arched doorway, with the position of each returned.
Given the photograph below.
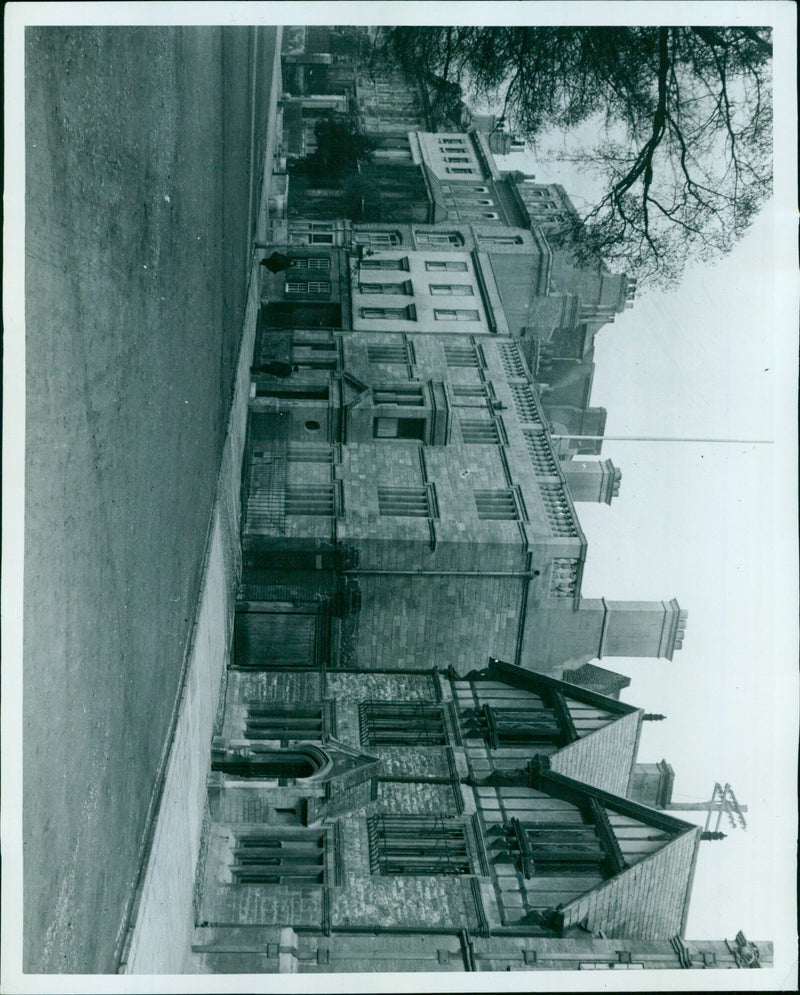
(267, 764)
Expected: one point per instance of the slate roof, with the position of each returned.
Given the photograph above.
(598, 679)
(648, 901)
(605, 758)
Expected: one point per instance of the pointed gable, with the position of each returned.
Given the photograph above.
(348, 780)
(647, 901)
(600, 735)
(605, 757)
(648, 895)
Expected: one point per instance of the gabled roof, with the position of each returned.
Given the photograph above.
(648, 899)
(522, 677)
(604, 757)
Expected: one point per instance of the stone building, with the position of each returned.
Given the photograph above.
(426, 821)
(379, 799)
(399, 477)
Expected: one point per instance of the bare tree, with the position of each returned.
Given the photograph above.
(685, 117)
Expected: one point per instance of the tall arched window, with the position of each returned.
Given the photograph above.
(270, 764)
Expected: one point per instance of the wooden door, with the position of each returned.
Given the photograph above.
(274, 639)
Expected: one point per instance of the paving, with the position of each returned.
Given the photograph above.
(145, 149)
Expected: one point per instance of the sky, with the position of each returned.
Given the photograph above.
(709, 524)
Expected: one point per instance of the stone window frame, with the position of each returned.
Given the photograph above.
(446, 266)
(408, 313)
(313, 501)
(430, 239)
(378, 238)
(451, 290)
(256, 857)
(418, 501)
(482, 432)
(456, 314)
(404, 288)
(284, 722)
(498, 504)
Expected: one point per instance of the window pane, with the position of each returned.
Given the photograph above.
(454, 289)
(449, 314)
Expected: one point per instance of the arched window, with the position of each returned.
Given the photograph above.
(268, 764)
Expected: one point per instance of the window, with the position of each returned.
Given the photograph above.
(462, 355)
(470, 396)
(282, 722)
(269, 764)
(310, 262)
(454, 314)
(386, 288)
(402, 394)
(311, 232)
(399, 428)
(377, 238)
(266, 859)
(496, 505)
(300, 393)
(438, 238)
(501, 239)
(388, 354)
(405, 502)
(417, 844)
(456, 289)
(308, 452)
(312, 499)
(458, 169)
(308, 287)
(507, 727)
(451, 141)
(481, 433)
(389, 723)
(390, 264)
(408, 313)
(543, 849)
(315, 355)
(445, 265)
(456, 158)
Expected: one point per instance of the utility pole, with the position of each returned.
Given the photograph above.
(722, 800)
(659, 438)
